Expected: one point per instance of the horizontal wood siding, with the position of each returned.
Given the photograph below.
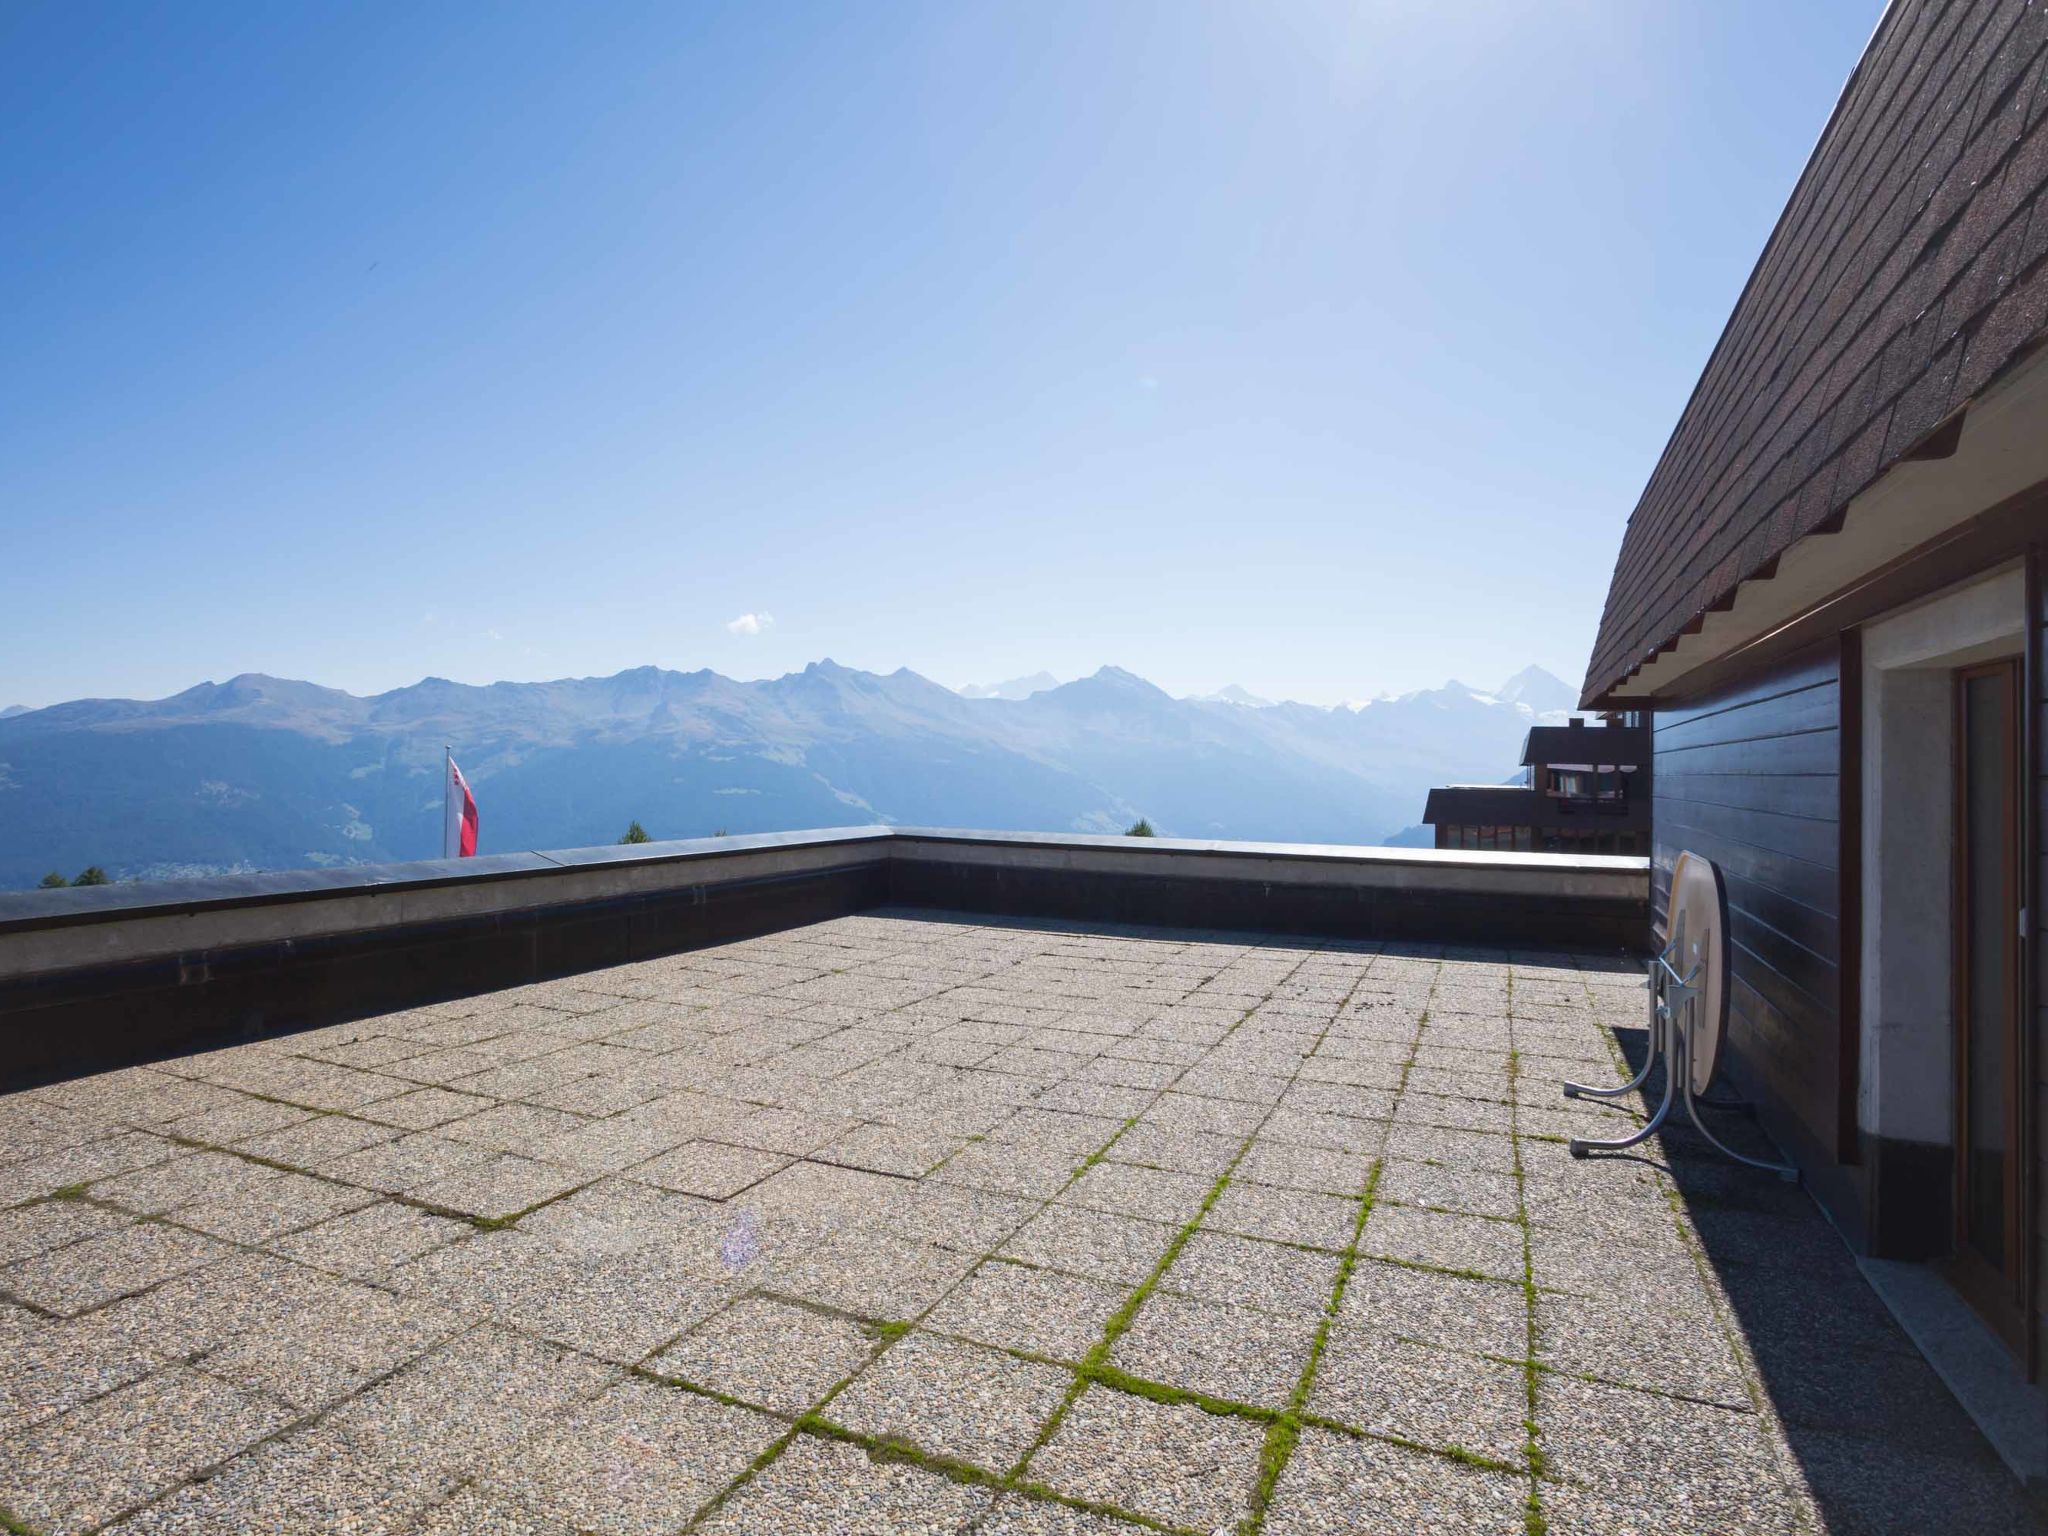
(2037, 898)
(1750, 778)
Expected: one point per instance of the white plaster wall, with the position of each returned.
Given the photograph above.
(1907, 816)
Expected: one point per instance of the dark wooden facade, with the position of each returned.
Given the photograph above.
(1750, 777)
(2035, 817)
(1588, 791)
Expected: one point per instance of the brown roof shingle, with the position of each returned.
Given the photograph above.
(1908, 268)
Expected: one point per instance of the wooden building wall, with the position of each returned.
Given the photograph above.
(2036, 676)
(1750, 777)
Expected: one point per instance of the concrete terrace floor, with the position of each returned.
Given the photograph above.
(906, 1223)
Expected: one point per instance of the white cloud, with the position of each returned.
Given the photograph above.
(751, 623)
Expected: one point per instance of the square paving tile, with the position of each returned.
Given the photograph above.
(612, 1216)
(1481, 1317)
(495, 1127)
(822, 1196)
(29, 1230)
(1715, 1469)
(365, 1243)
(1220, 1266)
(608, 1146)
(1325, 1170)
(469, 1401)
(873, 1274)
(316, 1140)
(502, 1187)
(1335, 1485)
(52, 1364)
(424, 1108)
(306, 1481)
(1204, 1153)
(1431, 1396)
(1127, 1190)
(118, 1263)
(638, 1460)
(1681, 1349)
(970, 1220)
(1175, 1464)
(1016, 1515)
(822, 1488)
(105, 1457)
(1037, 1311)
(278, 1205)
(1449, 1187)
(1121, 1250)
(315, 1354)
(1444, 1240)
(224, 1124)
(1234, 1353)
(1284, 1215)
(1006, 1168)
(1313, 1129)
(958, 1400)
(1437, 1144)
(889, 1149)
(398, 1167)
(474, 1511)
(770, 1352)
(182, 1181)
(711, 1169)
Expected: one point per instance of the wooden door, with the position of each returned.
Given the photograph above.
(1993, 1232)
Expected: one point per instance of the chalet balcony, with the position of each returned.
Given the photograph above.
(905, 1181)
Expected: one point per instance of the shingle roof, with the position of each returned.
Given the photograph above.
(1908, 269)
(1611, 744)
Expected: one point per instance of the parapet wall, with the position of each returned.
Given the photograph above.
(104, 976)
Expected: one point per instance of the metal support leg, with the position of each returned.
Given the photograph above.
(1579, 1147)
(1581, 1091)
(1784, 1171)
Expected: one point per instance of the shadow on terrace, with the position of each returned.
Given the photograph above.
(1873, 1434)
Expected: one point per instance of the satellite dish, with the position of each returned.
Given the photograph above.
(1688, 1015)
(1699, 933)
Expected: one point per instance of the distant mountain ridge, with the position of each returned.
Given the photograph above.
(1231, 693)
(263, 772)
(1015, 688)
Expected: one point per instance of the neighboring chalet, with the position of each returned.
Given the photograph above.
(1587, 790)
(1830, 598)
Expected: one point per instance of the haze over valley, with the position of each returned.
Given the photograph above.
(269, 773)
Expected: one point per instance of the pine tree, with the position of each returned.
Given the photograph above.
(636, 834)
(92, 874)
(1141, 828)
(54, 881)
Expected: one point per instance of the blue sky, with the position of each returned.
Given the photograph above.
(1317, 347)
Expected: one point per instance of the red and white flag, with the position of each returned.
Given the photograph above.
(458, 819)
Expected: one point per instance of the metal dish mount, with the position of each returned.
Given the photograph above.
(1685, 1031)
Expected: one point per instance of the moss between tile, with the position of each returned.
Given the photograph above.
(1285, 1432)
(1533, 1519)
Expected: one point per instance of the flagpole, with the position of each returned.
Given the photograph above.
(447, 797)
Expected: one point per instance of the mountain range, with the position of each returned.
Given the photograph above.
(264, 772)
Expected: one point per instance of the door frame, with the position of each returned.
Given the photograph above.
(2000, 1295)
